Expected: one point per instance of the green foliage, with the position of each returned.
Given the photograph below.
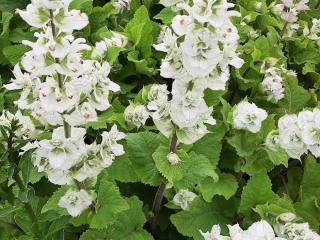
(202, 216)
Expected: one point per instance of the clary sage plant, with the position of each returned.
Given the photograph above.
(169, 120)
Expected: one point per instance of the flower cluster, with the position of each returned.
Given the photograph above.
(297, 133)
(285, 229)
(26, 129)
(248, 116)
(200, 45)
(289, 9)
(63, 89)
(314, 32)
(101, 47)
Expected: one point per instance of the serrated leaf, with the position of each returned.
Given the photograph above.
(296, 96)
(130, 222)
(140, 147)
(226, 186)
(201, 215)
(246, 143)
(110, 204)
(257, 191)
(14, 53)
(213, 139)
(171, 172)
(52, 203)
(198, 168)
(279, 157)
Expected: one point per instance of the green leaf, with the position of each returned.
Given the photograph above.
(309, 210)
(198, 168)
(58, 224)
(129, 224)
(213, 138)
(278, 157)
(116, 170)
(140, 147)
(212, 97)
(52, 203)
(14, 53)
(109, 203)
(142, 65)
(246, 143)
(6, 18)
(201, 215)
(94, 234)
(82, 5)
(139, 30)
(310, 185)
(166, 15)
(226, 186)
(257, 191)
(296, 97)
(171, 172)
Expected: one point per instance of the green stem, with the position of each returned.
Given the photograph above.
(33, 217)
(157, 202)
(318, 4)
(283, 30)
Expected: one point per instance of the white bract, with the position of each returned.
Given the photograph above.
(314, 32)
(199, 60)
(75, 202)
(299, 133)
(121, 5)
(63, 89)
(173, 158)
(248, 116)
(183, 197)
(137, 115)
(262, 230)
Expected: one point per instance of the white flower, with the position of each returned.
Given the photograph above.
(92, 163)
(81, 115)
(297, 231)
(181, 24)
(27, 127)
(21, 80)
(200, 51)
(261, 230)
(35, 16)
(287, 217)
(173, 158)
(121, 5)
(315, 30)
(137, 115)
(63, 152)
(188, 110)
(248, 116)
(72, 20)
(110, 148)
(272, 84)
(75, 202)
(214, 234)
(183, 197)
(290, 136)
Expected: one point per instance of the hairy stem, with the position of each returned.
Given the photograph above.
(157, 202)
(318, 4)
